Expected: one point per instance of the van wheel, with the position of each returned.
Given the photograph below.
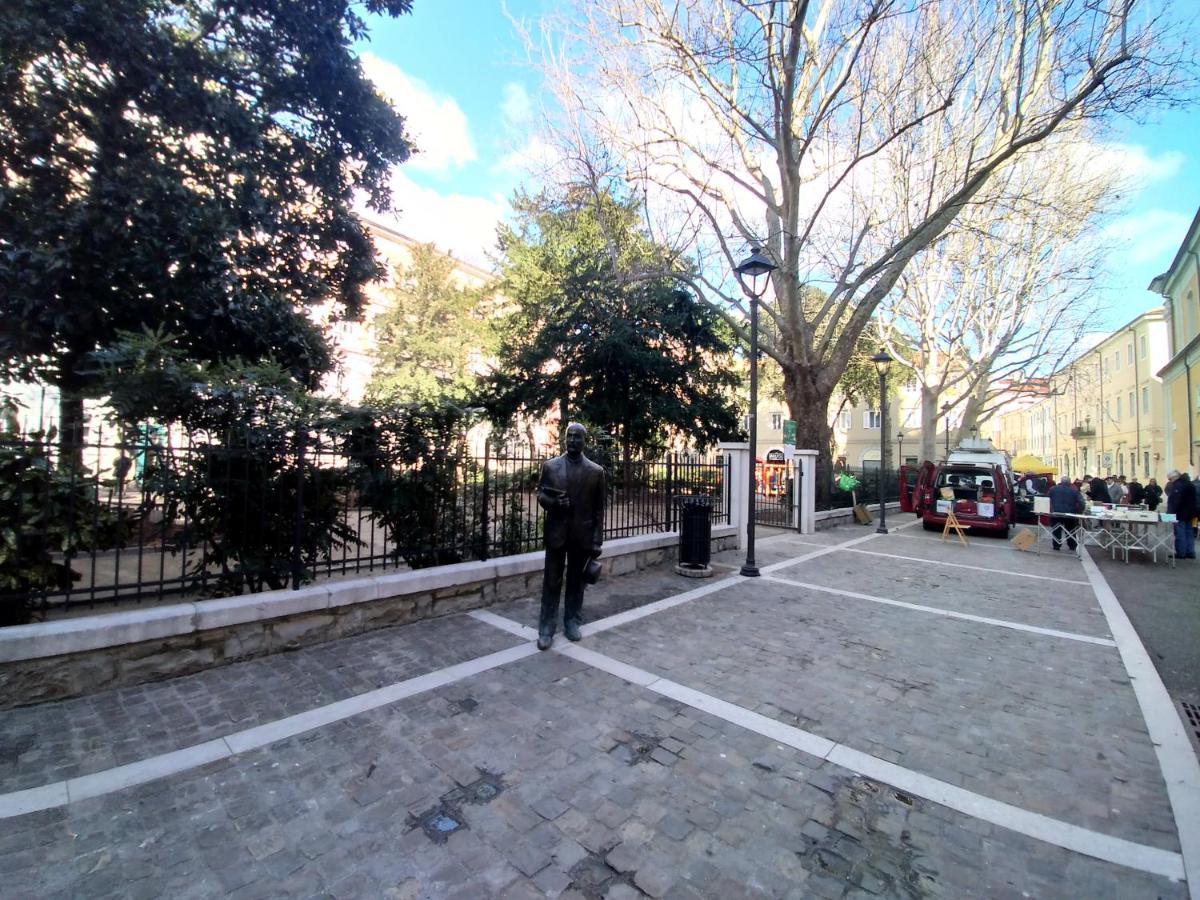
(928, 526)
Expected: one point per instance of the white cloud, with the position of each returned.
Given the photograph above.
(460, 224)
(436, 123)
(1149, 236)
(1136, 163)
(516, 106)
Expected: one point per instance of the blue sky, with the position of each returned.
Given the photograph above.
(457, 71)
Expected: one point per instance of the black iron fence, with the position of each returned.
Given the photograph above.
(867, 491)
(153, 514)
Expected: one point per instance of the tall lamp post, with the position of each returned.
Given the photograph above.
(946, 425)
(882, 363)
(757, 269)
(900, 451)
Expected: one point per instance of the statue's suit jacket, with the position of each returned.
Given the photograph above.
(581, 526)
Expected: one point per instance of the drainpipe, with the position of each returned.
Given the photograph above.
(1191, 403)
(1100, 411)
(1137, 401)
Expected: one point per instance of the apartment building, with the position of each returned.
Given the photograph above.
(857, 431)
(1101, 413)
(1179, 287)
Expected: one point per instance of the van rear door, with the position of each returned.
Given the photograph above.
(916, 498)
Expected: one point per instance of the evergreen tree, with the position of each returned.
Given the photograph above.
(595, 336)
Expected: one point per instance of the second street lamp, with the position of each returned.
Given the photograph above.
(900, 450)
(882, 363)
(757, 268)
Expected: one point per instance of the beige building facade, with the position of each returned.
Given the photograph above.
(1100, 414)
(1179, 287)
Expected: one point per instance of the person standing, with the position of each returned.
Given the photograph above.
(572, 491)
(1154, 494)
(1137, 493)
(1065, 501)
(1181, 500)
(1099, 491)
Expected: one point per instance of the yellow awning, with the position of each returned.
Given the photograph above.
(1031, 465)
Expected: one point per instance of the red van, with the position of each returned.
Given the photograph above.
(981, 495)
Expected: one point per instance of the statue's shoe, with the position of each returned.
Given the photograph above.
(571, 630)
(545, 640)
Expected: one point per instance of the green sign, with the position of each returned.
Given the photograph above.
(789, 431)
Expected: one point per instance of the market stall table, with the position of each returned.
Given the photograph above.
(1117, 532)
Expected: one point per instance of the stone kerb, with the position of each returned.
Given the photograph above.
(54, 660)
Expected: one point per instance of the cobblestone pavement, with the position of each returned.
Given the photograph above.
(550, 777)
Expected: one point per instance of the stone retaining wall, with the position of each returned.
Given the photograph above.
(71, 657)
(832, 518)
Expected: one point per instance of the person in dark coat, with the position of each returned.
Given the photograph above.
(571, 489)
(1137, 493)
(1154, 494)
(1064, 498)
(1181, 500)
(1099, 491)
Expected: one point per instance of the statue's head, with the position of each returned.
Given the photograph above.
(576, 438)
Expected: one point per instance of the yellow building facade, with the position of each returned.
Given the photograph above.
(1179, 287)
(1100, 414)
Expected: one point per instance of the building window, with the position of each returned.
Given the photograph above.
(1132, 464)
(777, 421)
(1129, 353)
(1146, 462)
(871, 418)
(845, 420)
(1143, 348)
(1117, 361)
(1118, 409)
(1132, 406)
(1145, 401)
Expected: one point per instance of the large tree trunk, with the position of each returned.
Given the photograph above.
(808, 403)
(929, 423)
(72, 427)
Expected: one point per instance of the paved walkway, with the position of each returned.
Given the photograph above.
(876, 716)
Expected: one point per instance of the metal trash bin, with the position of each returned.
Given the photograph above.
(695, 531)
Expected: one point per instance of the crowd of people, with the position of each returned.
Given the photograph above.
(1182, 495)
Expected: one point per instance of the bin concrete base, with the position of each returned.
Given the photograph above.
(689, 570)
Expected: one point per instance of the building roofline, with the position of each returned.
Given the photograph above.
(1161, 280)
(403, 238)
(1155, 312)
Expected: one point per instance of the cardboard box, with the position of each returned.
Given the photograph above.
(1024, 539)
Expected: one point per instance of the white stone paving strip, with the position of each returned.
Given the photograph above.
(940, 562)
(948, 613)
(1180, 768)
(1052, 831)
(73, 790)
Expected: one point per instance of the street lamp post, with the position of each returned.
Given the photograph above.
(757, 268)
(900, 445)
(946, 425)
(882, 363)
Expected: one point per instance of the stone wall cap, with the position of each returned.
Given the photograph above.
(42, 639)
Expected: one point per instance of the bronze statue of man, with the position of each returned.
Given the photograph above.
(571, 490)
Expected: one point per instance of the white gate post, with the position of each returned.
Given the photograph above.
(806, 507)
(736, 485)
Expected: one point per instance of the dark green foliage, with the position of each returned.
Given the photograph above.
(237, 485)
(184, 166)
(410, 470)
(47, 514)
(600, 328)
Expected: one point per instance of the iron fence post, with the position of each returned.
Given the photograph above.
(485, 526)
(298, 524)
(670, 517)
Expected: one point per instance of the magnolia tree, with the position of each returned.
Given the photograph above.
(1006, 293)
(752, 123)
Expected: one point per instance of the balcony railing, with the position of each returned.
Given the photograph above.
(1079, 432)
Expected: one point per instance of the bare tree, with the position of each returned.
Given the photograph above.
(1005, 294)
(765, 123)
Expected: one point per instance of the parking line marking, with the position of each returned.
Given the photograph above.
(939, 562)
(97, 784)
(950, 614)
(1095, 844)
(1180, 768)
